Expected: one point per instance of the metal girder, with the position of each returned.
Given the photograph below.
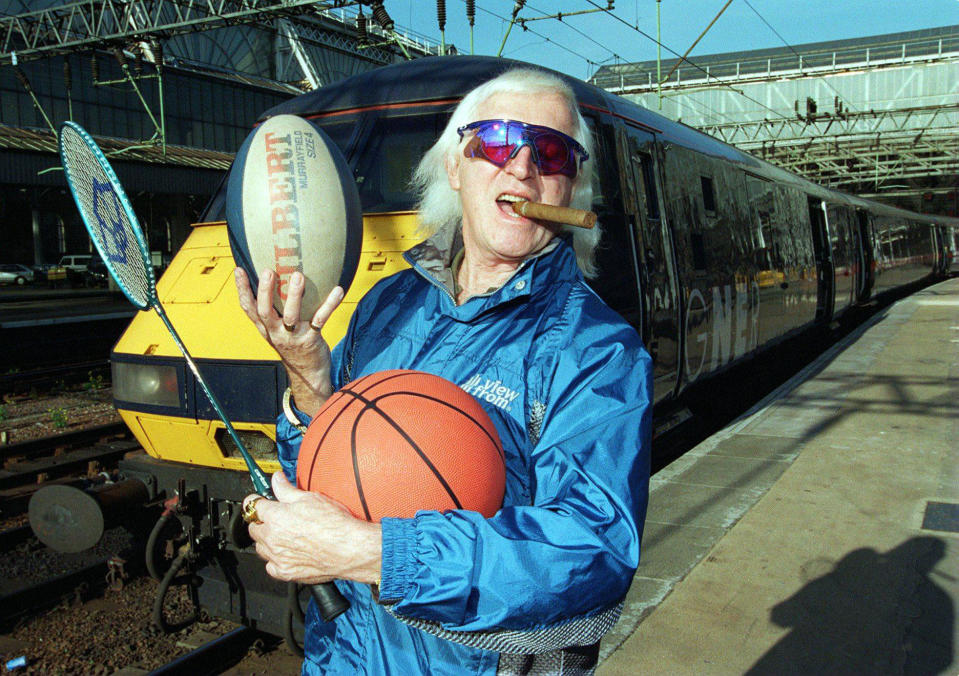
(288, 33)
(640, 80)
(100, 23)
(855, 148)
(867, 160)
(340, 40)
(811, 60)
(305, 43)
(919, 119)
(852, 147)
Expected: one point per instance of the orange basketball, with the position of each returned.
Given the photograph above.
(395, 442)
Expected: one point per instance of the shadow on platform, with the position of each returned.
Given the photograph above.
(870, 613)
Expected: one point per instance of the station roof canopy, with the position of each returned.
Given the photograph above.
(29, 156)
(41, 140)
(926, 42)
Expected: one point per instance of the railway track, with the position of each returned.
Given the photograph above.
(68, 440)
(47, 377)
(75, 586)
(11, 538)
(214, 656)
(85, 452)
(42, 579)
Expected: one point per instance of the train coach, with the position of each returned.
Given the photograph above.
(713, 255)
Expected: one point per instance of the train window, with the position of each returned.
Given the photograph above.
(767, 237)
(617, 283)
(649, 186)
(594, 165)
(698, 250)
(709, 196)
(386, 155)
(340, 132)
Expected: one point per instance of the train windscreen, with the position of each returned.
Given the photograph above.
(382, 149)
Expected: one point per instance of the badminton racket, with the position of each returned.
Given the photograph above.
(109, 218)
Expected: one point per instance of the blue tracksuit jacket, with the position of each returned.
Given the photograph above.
(568, 385)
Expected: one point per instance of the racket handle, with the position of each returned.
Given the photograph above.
(329, 600)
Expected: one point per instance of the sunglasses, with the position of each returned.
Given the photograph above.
(499, 141)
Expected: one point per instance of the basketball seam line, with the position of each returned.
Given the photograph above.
(406, 373)
(450, 406)
(309, 483)
(371, 404)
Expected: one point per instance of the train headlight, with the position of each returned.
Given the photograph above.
(152, 384)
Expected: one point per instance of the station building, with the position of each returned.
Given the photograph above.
(207, 116)
(169, 107)
(871, 116)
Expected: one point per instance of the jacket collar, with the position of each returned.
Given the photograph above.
(432, 258)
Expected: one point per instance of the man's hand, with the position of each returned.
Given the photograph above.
(308, 538)
(305, 354)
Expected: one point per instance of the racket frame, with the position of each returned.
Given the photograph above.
(260, 481)
(327, 597)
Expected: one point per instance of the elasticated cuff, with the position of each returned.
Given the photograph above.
(399, 562)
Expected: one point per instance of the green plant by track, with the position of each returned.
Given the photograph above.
(59, 417)
(93, 383)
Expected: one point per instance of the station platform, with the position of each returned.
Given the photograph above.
(818, 532)
(37, 307)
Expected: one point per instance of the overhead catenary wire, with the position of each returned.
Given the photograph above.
(471, 18)
(696, 41)
(517, 7)
(441, 21)
(25, 83)
(711, 114)
(798, 55)
(539, 35)
(382, 17)
(694, 65)
(589, 61)
(585, 35)
(362, 34)
(68, 84)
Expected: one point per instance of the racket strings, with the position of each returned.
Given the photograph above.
(110, 226)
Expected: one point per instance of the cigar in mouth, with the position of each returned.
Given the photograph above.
(548, 212)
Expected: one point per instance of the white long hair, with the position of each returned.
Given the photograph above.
(439, 205)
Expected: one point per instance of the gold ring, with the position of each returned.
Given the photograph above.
(249, 511)
(289, 327)
(315, 327)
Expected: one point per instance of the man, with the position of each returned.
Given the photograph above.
(496, 297)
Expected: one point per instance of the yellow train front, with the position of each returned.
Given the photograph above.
(156, 394)
(192, 463)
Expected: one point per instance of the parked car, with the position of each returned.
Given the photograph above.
(97, 274)
(76, 266)
(78, 263)
(14, 273)
(51, 273)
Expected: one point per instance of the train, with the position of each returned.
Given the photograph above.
(713, 255)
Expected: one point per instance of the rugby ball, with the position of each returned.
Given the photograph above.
(292, 204)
